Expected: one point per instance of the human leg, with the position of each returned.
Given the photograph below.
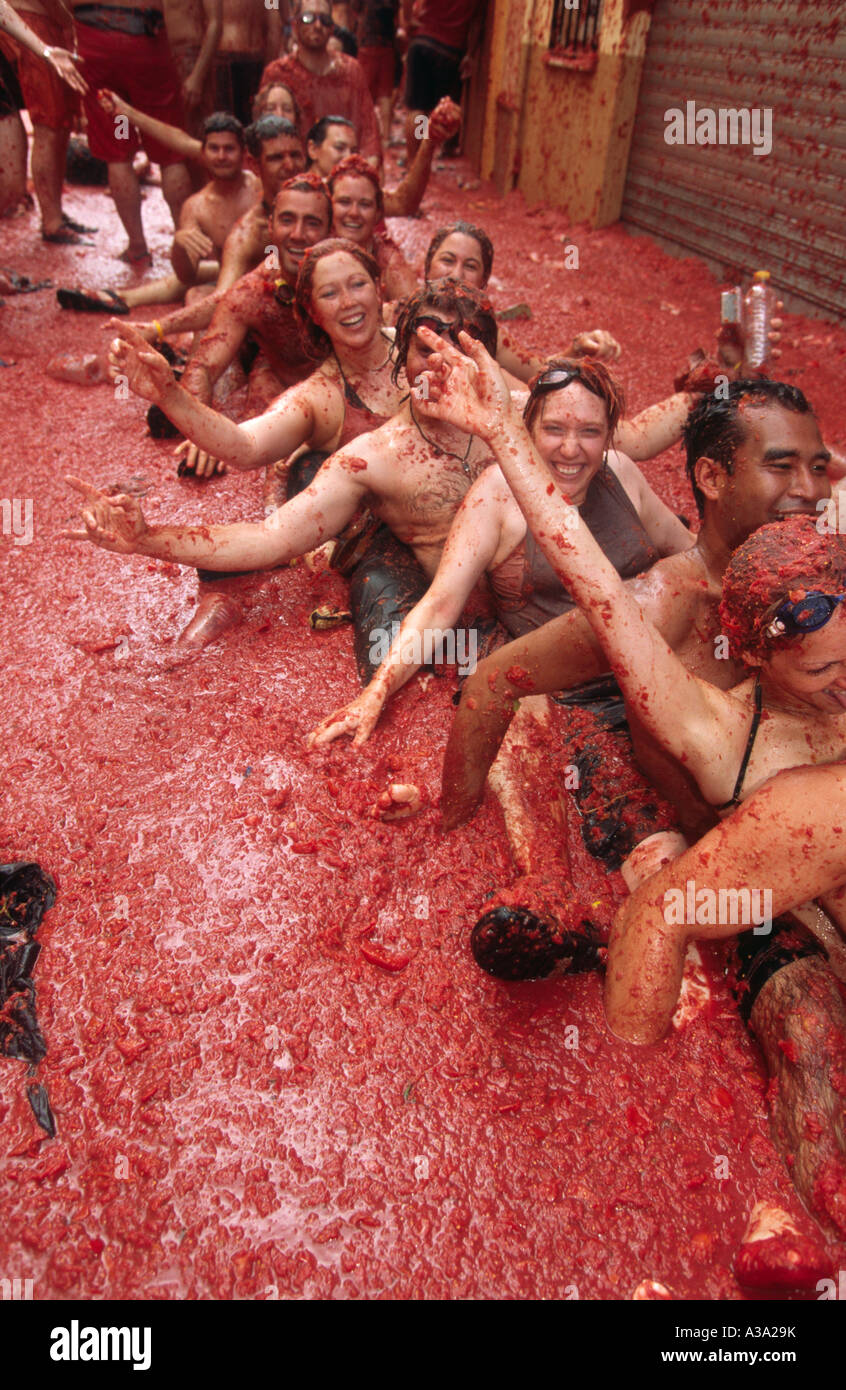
(764, 847)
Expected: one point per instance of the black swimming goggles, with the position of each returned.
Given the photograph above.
(447, 330)
(806, 614)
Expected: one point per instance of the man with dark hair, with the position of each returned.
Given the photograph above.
(329, 141)
(261, 304)
(208, 217)
(325, 83)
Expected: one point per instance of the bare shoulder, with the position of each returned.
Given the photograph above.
(627, 471)
(675, 593)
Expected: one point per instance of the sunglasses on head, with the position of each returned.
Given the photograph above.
(806, 614)
(312, 17)
(447, 330)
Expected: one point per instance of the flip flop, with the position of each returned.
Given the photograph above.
(77, 226)
(91, 303)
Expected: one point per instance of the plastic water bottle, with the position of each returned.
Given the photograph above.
(759, 309)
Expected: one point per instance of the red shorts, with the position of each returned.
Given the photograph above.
(141, 70)
(379, 68)
(49, 101)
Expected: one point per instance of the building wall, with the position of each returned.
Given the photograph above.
(558, 134)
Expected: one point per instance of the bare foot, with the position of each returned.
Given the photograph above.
(799, 1020)
(775, 1255)
(215, 613)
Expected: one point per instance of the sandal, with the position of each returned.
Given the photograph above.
(85, 302)
(77, 226)
(65, 237)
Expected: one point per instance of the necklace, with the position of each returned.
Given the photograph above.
(440, 448)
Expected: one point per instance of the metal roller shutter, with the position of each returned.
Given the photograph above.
(784, 211)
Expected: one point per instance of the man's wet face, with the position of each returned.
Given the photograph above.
(338, 143)
(438, 320)
(223, 155)
(281, 158)
(314, 24)
(299, 221)
(778, 470)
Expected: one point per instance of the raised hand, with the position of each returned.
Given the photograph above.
(112, 104)
(464, 388)
(596, 343)
(358, 718)
(147, 372)
(193, 459)
(115, 523)
(445, 120)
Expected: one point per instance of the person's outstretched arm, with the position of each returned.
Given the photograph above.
(273, 435)
(675, 706)
(170, 135)
(471, 547)
(312, 517)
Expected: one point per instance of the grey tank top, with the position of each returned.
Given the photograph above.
(617, 530)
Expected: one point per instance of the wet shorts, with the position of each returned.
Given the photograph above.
(11, 99)
(49, 101)
(237, 79)
(378, 66)
(432, 72)
(141, 70)
(757, 957)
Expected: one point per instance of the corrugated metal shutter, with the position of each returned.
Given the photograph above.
(785, 211)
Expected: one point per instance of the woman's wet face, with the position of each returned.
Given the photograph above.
(345, 302)
(812, 669)
(570, 431)
(355, 209)
(277, 101)
(461, 257)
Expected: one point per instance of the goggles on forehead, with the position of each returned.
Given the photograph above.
(555, 379)
(806, 614)
(447, 330)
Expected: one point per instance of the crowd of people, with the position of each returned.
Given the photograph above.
(459, 481)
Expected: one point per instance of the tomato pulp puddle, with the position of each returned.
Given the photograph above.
(274, 1066)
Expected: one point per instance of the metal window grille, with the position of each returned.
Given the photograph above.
(576, 29)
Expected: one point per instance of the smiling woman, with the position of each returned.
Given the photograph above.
(357, 207)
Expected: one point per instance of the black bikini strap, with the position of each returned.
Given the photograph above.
(756, 719)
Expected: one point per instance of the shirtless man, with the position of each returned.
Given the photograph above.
(205, 222)
(51, 88)
(278, 150)
(193, 30)
(325, 84)
(208, 217)
(251, 37)
(261, 303)
(125, 48)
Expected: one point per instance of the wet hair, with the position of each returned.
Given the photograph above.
(320, 129)
(268, 128)
(466, 229)
(349, 42)
(317, 342)
(218, 123)
(355, 166)
(268, 87)
(588, 372)
(715, 429)
(451, 297)
(783, 560)
(305, 183)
